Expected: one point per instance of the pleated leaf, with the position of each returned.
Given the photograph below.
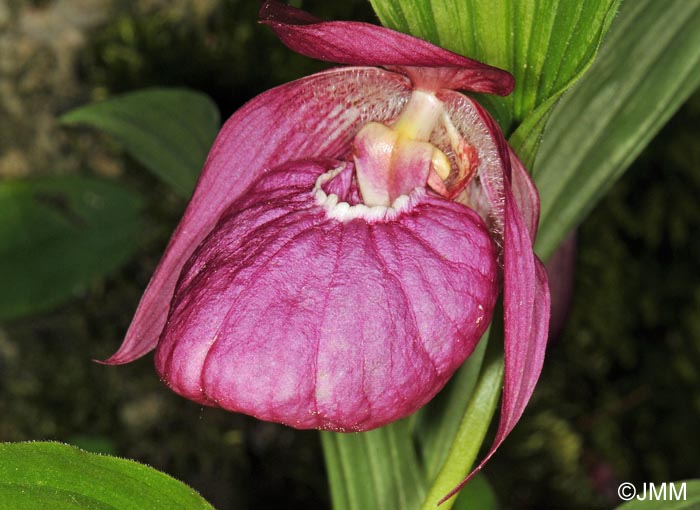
(647, 68)
(545, 44)
(60, 477)
(168, 131)
(375, 469)
(470, 433)
(59, 234)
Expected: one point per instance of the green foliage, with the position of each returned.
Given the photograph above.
(169, 131)
(57, 476)
(647, 68)
(472, 429)
(57, 235)
(60, 234)
(373, 469)
(619, 398)
(546, 45)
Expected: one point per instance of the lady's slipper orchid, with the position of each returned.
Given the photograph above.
(346, 243)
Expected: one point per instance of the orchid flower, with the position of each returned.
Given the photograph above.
(348, 238)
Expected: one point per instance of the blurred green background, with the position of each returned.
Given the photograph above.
(619, 398)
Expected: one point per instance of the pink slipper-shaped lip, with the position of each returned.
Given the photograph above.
(347, 240)
(303, 309)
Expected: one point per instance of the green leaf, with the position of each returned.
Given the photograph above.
(61, 477)
(545, 44)
(648, 66)
(169, 131)
(472, 429)
(57, 235)
(93, 443)
(375, 469)
(688, 490)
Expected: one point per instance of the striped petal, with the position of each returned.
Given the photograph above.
(316, 116)
(357, 43)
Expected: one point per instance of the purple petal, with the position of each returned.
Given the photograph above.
(525, 194)
(357, 43)
(312, 117)
(526, 304)
(303, 311)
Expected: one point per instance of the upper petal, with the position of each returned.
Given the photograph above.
(357, 43)
(316, 116)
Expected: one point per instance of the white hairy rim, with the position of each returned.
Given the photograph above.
(343, 211)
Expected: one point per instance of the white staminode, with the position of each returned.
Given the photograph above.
(343, 211)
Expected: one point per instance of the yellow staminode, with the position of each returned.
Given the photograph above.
(420, 117)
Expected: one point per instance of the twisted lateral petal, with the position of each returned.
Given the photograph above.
(357, 43)
(306, 311)
(312, 117)
(526, 303)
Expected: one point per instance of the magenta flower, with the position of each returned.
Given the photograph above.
(347, 240)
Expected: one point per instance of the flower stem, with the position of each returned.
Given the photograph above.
(472, 430)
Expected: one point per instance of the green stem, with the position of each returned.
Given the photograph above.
(375, 469)
(471, 432)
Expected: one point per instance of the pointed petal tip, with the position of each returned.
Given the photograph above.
(136, 344)
(527, 304)
(120, 358)
(111, 361)
(464, 482)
